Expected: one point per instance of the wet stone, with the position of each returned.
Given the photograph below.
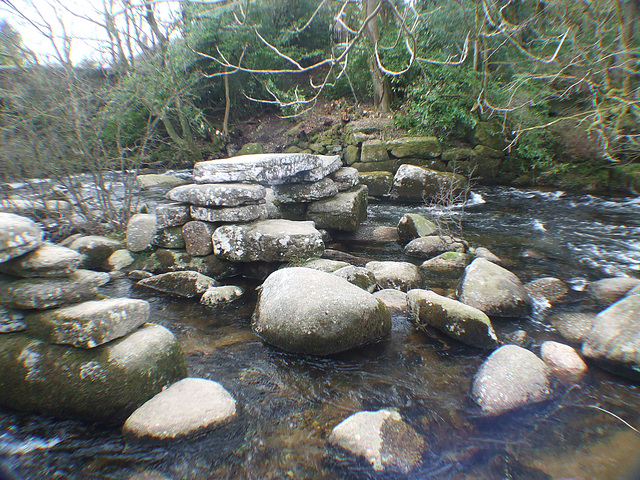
(221, 295)
(218, 194)
(564, 361)
(395, 300)
(197, 238)
(433, 245)
(89, 324)
(397, 275)
(188, 407)
(183, 284)
(610, 290)
(47, 260)
(548, 289)
(412, 225)
(573, 326)
(245, 213)
(18, 235)
(172, 214)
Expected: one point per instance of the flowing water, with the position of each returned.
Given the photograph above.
(290, 403)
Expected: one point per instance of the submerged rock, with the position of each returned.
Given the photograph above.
(41, 293)
(100, 384)
(494, 290)
(89, 324)
(455, 319)
(218, 194)
(183, 284)
(307, 311)
(18, 235)
(482, 252)
(398, 275)
(614, 339)
(268, 241)
(512, 377)
(141, 230)
(382, 439)
(548, 289)
(574, 326)
(188, 407)
(412, 225)
(47, 260)
(345, 211)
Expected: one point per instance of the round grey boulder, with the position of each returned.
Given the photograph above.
(18, 235)
(141, 230)
(573, 326)
(382, 439)
(188, 407)
(548, 290)
(395, 300)
(494, 290)
(302, 310)
(433, 245)
(398, 275)
(512, 377)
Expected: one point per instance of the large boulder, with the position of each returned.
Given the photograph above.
(413, 225)
(381, 439)
(573, 326)
(418, 184)
(415, 147)
(106, 383)
(512, 377)
(268, 241)
(455, 319)
(494, 290)
(338, 315)
(47, 260)
(609, 290)
(141, 230)
(398, 275)
(345, 211)
(182, 284)
(41, 293)
(305, 192)
(218, 194)
(614, 339)
(267, 169)
(95, 250)
(89, 324)
(18, 235)
(188, 407)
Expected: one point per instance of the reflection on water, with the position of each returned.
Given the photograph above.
(290, 403)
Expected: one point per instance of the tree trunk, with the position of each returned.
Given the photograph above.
(381, 84)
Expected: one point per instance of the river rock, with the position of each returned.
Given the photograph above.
(266, 169)
(100, 384)
(338, 315)
(41, 293)
(358, 276)
(305, 192)
(433, 245)
(323, 264)
(448, 263)
(18, 235)
(610, 290)
(418, 184)
(378, 182)
(95, 250)
(166, 260)
(412, 225)
(512, 377)
(344, 212)
(549, 290)
(395, 300)
(244, 213)
(188, 407)
(455, 319)
(183, 284)
(573, 326)
(381, 439)
(398, 275)
(494, 290)
(415, 147)
(373, 151)
(172, 214)
(163, 180)
(564, 361)
(220, 295)
(89, 324)
(482, 252)
(141, 230)
(345, 178)
(268, 241)
(197, 238)
(614, 339)
(11, 320)
(218, 194)
(47, 260)
(170, 237)
(120, 259)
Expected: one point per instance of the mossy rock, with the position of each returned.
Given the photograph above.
(379, 183)
(251, 149)
(415, 147)
(490, 135)
(387, 166)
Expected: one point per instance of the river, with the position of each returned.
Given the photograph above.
(290, 403)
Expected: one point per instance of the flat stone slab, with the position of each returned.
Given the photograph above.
(243, 213)
(41, 293)
(268, 241)
(47, 260)
(266, 169)
(106, 383)
(18, 235)
(218, 194)
(188, 407)
(305, 192)
(345, 211)
(89, 324)
(183, 284)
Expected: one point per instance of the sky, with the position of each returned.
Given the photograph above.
(80, 19)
